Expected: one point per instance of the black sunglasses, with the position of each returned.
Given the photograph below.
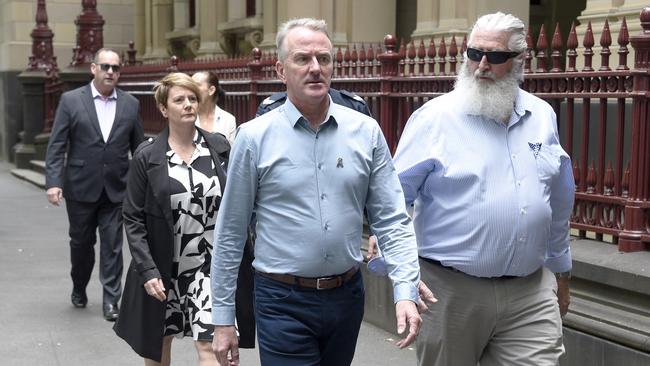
(105, 67)
(493, 57)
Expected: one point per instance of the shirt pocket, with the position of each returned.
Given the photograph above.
(548, 164)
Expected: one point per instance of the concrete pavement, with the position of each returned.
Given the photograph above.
(39, 326)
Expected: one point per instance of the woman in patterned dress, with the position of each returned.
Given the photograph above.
(173, 193)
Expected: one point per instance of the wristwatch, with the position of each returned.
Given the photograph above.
(566, 274)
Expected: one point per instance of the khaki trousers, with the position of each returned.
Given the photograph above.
(490, 321)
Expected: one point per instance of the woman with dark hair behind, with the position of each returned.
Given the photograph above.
(174, 188)
(211, 117)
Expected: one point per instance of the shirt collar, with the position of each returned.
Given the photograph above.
(96, 92)
(520, 108)
(294, 115)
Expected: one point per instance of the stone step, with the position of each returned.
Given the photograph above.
(37, 166)
(31, 176)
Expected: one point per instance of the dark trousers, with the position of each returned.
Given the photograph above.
(84, 219)
(298, 326)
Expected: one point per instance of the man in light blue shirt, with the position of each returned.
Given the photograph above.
(308, 169)
(493, 192)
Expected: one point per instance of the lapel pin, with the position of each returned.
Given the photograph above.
(339, 163)
(535, 147)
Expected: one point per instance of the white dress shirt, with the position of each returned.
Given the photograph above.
(105, 108)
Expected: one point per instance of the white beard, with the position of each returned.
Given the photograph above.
(490, 99)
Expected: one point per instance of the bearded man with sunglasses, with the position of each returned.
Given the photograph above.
(97, 125)
(493, 191)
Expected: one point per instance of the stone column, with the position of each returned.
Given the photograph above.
(455, 18)
(379, 21)
(181, 14)
(427, 18)
(160, 21)
(338, 18)
(270, 24)
(139, 28)
(211, 14)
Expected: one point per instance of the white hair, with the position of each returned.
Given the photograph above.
(317, 25)
(508, 23)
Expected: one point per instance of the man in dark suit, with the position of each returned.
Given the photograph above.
(98, 124)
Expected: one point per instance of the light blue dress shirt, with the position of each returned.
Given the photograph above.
(308, 189)
(489, 199)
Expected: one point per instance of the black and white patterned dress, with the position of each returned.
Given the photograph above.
(195, 197)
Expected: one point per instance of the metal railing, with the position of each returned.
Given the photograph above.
(604, 114)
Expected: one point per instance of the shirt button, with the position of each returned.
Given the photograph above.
(320, 166)
(322, 196)
(521, 238)
(522, 211)
(519, 183)
(514, 156)
(326, 227)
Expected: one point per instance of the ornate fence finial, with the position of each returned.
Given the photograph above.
(363, 71)
(411, 56)
(588, 43)
(645, 20)
(390, 58)
(442, 54)
(453, 52)
(556, 46)
(542, 45)
(42, 57)
(354, 59)
(131, 54)
(431, 54)
(422, 53)
(402, 58)
(339, 61)
(90, 34)
(346, 62)
(173, 64)
(623, 41)
(605, 42)
(572, 44)
(257, 54)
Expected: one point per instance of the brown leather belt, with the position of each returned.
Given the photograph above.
(319, 283)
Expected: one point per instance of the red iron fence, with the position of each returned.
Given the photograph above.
(603, 114)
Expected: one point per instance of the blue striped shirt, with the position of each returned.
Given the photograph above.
(489, 199)
(308, 189)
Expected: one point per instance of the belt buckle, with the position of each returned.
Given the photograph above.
(318, 286)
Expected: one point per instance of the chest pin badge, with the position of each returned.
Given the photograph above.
(339, 163)
(535, 147)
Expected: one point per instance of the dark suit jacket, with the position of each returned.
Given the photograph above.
(92, 165)
(149, 229)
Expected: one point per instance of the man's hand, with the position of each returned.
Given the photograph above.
(55, 195)
(426, 296)
(563, 295)
(372, 247)
(407, 313)
(224, 342)
(156, 289)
